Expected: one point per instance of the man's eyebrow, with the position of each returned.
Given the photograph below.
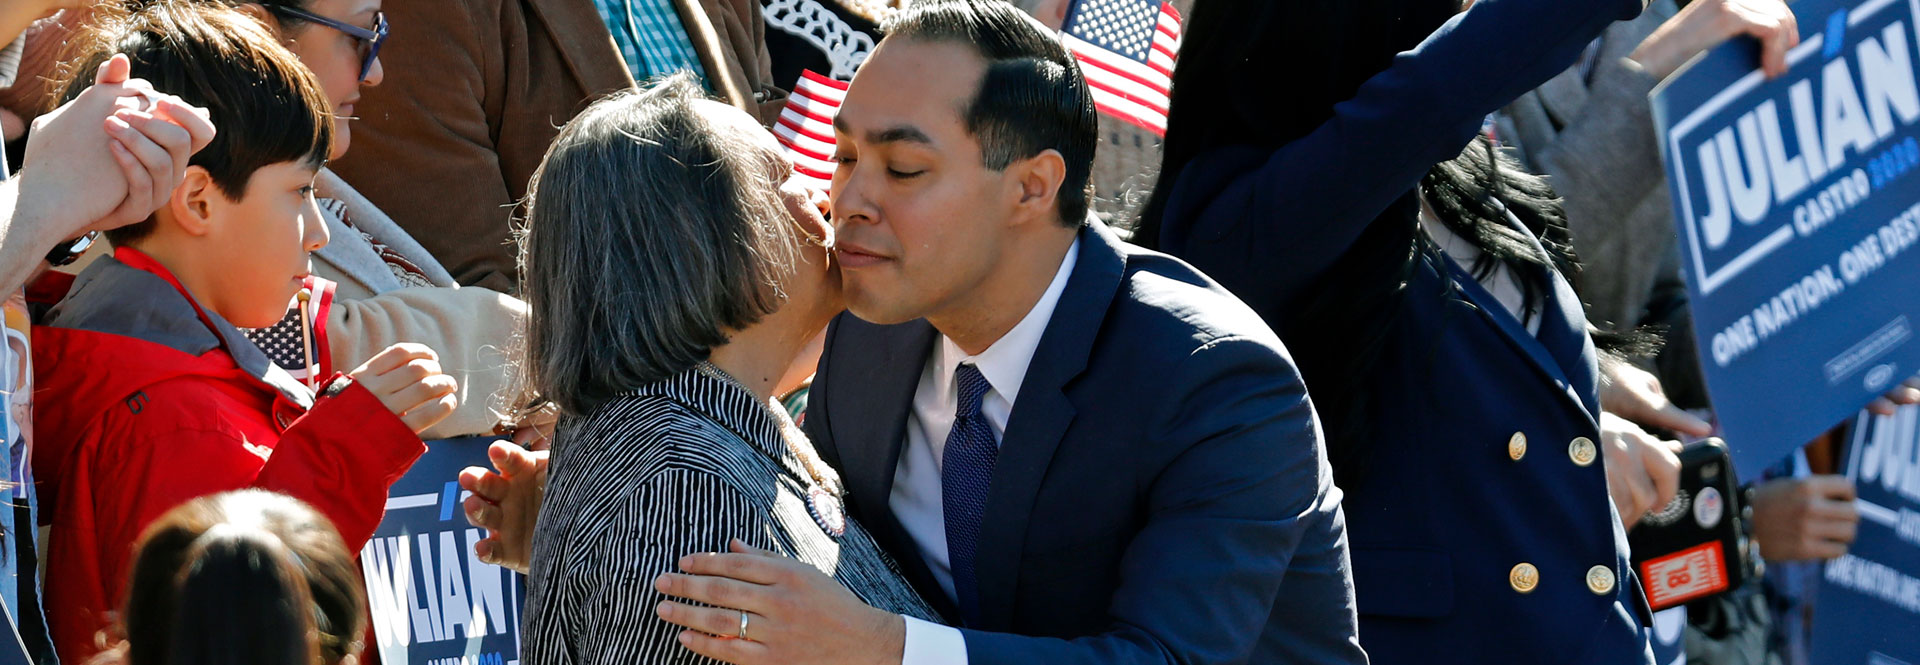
(895, 134)
(898, 134)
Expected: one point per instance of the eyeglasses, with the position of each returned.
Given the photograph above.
(370, 40)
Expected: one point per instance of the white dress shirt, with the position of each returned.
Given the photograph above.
(917, 500)
(1502, 283)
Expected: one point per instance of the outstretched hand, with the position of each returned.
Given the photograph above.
(1635, 394)
(506, 502)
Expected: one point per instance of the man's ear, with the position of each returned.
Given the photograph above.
(195, 202)
(1038, 179)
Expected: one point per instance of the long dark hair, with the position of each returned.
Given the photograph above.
(1265, 73)
(241, 577)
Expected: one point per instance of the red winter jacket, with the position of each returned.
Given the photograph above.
(145, 401)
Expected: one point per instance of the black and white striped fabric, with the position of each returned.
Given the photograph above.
(676, 468)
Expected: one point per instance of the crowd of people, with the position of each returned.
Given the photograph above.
(1378, 357)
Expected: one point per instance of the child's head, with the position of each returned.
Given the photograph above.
(239, 226)
(242, 577)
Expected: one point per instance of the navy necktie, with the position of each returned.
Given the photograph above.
(966, 470)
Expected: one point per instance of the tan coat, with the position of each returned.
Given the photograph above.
(475, 90)
(470, 328)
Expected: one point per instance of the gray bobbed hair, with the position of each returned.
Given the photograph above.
(650, 233)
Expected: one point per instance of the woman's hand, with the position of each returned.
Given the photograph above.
(506, 503)
(1643, 471)
(1635, 394)
(1805, 519)
(536, 430)
(1908, 392)
(1704, 24)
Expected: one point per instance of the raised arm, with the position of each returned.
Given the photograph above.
(1234, 210)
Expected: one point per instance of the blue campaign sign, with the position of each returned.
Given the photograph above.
(1796, 205)
(1870, 598)
(433, 601)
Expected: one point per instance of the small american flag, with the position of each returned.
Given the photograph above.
(806, 127)
(282, 341)
(1126, 49)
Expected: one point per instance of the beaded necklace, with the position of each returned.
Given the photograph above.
(825, 495)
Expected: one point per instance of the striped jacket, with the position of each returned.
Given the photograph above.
(675, 468)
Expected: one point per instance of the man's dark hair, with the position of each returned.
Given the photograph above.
(267, 107)
(1032, 97)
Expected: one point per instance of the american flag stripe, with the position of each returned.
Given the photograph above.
(1134, 82)
(1117, 77)
(285, 342)
(803, 142)
(795, 127)
(324, 362)
(805, 127)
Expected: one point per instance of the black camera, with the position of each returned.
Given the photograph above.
(1692, 548)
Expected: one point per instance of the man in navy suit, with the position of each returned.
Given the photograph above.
(1081, 451)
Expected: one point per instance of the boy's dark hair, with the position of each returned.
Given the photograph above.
(266, 106)
(1033, 96)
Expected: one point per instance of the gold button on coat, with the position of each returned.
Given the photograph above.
(1600, 580)
(1582, 451)
(1524, 577)
(1517, 446)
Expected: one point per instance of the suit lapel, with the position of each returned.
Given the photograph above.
(576, 29)
(1554, 317)
(870, 434)
(1040, 419)
(1563, 332)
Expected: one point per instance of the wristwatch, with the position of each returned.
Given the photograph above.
(69, 251)
(339, 384)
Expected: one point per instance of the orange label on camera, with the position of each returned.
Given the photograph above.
(1685, 575)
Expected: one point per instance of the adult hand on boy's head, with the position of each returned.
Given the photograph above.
(111, 156)
(407, 379)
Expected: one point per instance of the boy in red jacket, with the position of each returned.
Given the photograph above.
(148, 396)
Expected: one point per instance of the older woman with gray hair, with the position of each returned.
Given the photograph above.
(671, 279)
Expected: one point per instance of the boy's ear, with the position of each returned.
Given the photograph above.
(1038, 179)
(259, 14)
(195, 202)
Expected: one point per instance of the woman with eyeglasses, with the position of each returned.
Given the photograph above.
(378, 286)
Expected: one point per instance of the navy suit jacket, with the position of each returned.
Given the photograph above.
(1162, 494)
(1449, 505)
